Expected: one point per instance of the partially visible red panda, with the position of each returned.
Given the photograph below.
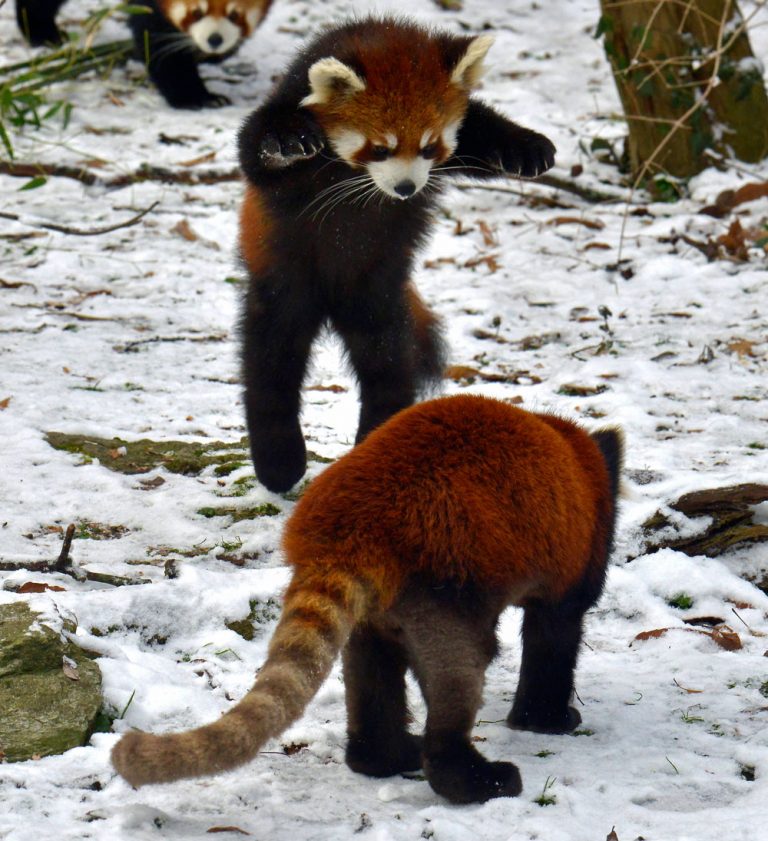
(344, 164)
(171, 38)
(404, 553)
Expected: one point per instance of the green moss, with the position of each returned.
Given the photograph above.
(186, 457)
(238, 514)
(682, 601)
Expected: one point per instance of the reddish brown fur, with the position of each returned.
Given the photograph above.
(516, 511)
(255, 231)
(395, 94)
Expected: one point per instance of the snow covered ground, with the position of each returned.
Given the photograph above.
(132, 334)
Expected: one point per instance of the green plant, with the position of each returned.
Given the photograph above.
(545, 799)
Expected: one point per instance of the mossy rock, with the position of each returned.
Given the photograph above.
(46, 709)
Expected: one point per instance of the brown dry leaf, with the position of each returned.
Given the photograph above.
(115, 99)
(742, 347)
(601, 245)
(150, 484)
(118, 452)
(726, 638)
(489, 260)
(70, 670)
(612, 836)
(685, 688)
(203, 159)
(655, 634)
(184, 229)
(439, 261)
(5, 403)
(489, 235)
(592, 224)
(228, 829)
(335, 389)
(513, 401)
(39, 587)
(461, 372)
(734, 241)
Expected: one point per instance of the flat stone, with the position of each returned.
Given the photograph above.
(50, 690)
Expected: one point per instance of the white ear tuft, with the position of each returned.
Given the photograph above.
(469, 70)
(330, 78)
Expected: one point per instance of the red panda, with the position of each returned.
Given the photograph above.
(344, 164)
(404, 554)
(172, 37)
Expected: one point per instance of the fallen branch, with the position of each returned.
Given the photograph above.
(62, 564)
(82, 232)
(144, 173)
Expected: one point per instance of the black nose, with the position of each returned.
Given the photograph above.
(405, 189)
(215, 40)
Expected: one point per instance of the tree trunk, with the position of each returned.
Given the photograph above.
(688, 82)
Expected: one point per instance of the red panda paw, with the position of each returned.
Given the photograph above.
(293, 139)
(530, 154)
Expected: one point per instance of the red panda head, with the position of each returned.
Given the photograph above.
(396, 106)
(215, 26)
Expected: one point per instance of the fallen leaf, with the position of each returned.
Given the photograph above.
(592, 224)
(115, 100)
(655, 634)
(39, 587)
(439, 261)
(461, 372)
(489, 235)
(612, 836)
(4, 403)
(335, 389)
(184, 229)
(575, 390)
(601, 245)
(685, 688)
(726, 638)
(742, 347)
(149, 484)
(489, 260)
(203, 159)
(69, 667)
(228, 829)
(734, 241)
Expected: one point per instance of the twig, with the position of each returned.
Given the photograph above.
(587, 193)
(64, 561)
(144, 173)
(83, 232)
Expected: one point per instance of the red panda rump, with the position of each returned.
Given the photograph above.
(460, 489)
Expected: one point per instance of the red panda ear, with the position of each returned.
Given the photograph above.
(469, 68)
(331, 79)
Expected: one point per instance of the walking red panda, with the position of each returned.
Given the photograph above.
(172, 37)
(404, 554)
(344, 165)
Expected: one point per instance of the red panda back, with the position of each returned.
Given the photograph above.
(460, 489)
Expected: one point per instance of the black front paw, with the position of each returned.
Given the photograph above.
(527, 155)
(291, 139)
(384, 757)
(43, 34)
(279, 457)
(540, 719)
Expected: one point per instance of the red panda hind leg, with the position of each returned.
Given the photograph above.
(378, 742)
(450, 635)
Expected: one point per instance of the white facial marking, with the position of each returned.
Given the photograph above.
(177, 12)
(346, 143)
(425, 139)
(391, 140)
(207, 27)
(388, 174)
(451, 135)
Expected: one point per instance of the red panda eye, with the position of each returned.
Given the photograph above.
(429, 151)
(197, 15)
(233, 16)
(380, 153)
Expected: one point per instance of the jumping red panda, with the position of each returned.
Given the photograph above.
(344, 165)
(404, 553)
(172, 38)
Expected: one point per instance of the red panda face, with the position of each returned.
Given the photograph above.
(215, 26)
(399, 116)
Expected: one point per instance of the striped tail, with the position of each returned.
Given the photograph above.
(317, 619)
